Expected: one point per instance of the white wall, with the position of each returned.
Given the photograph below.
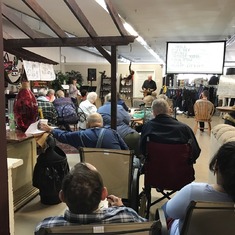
(122, 69)
(79, 60)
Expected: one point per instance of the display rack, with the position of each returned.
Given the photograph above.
(126, 88)
(105, 86)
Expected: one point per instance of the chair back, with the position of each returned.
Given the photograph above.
(168, 166)
(142, 228)
(203, 110)
(209, 218)
(115, 167)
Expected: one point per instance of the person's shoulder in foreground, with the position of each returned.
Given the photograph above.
(82, 190)
(223, 166)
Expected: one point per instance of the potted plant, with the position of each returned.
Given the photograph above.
(64, 78)
(75, 74)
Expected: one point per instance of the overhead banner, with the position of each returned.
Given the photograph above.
(36, 71)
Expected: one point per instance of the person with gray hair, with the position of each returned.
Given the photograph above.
(87, 107)
(48, 110)
(129, 135)
(51, 95)
(167, 130)
(42, 92)
(89, 137)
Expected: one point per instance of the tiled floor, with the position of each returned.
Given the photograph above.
(27, 217)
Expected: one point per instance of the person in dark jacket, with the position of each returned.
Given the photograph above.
(108, 138)
(166, 129)
(149, 86)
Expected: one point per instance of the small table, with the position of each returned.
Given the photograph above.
(226, 109)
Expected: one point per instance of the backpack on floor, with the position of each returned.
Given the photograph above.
(49, 171)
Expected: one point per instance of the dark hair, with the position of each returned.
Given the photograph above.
(83, 92)
(224, 161)
(206, 93)
(82, 189)
(71, 79)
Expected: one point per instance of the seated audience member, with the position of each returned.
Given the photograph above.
(145, 113)
(223, 166)
(88, 107)
(203, 98)
(166, 129)
(121, 102)
(48, 109)
(51, 95)
(89, 137)
(82, 190)
(84, 94)
(163, 96)
(129, 135)
(60, 104)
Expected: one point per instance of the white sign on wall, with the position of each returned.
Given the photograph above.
(226, 86)
(39, 71)
(139, 78)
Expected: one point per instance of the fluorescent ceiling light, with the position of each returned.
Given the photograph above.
(133, 32)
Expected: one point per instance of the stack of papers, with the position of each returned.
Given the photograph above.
(33, 129)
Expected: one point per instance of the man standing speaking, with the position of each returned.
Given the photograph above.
(149, 86)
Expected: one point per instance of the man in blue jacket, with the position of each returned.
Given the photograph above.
(95, 136)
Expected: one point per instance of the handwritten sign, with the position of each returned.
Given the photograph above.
(39, 71)
(226, 86)
(47, 72)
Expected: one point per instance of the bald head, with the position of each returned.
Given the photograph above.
(94, 120)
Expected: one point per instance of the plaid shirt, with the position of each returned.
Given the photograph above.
(48, 110)
(103, 216)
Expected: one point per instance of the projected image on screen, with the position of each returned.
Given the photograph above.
(195, 57)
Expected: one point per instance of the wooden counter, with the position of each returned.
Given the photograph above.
(22, 146)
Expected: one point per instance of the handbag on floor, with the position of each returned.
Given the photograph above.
(49, 171)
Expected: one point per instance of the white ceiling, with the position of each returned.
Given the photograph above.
(157, 21)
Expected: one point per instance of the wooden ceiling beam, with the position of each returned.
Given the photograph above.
(76, 10)
(42, 14)
(69, 42)
(15, 20)
(28, 55)
(116, 19)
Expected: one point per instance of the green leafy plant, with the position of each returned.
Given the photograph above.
(64, 78)
(75, 74)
